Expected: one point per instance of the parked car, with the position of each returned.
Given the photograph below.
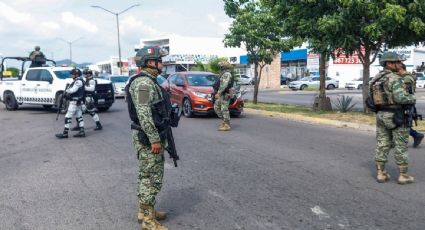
(244, 79)
(192, 91)
(119, 82)
(285, 80)
(420, 82)
(312, 82)
(356, 84)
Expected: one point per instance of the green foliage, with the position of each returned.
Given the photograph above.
(15, 71)
(343, 104)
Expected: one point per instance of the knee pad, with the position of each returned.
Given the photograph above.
(67, 120)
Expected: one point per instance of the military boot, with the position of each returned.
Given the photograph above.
(98, 126)
(417, 140)
(221, 126)
(382, 175)
(148, 219)
(63, 135)
(158, 215)
(81, 133)
(75, 128)
(404, 178)
(225, 127)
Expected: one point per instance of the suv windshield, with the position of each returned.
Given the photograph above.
(63, 74)
(201, 80)
(115, 79)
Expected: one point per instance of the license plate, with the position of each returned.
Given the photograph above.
(101, 101)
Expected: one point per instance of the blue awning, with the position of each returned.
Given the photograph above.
(243, 59)
(300, 54)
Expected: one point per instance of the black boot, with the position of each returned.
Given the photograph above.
(81, 133)
(417, 140)
(76, 128)
(98, 126)
(63, 135)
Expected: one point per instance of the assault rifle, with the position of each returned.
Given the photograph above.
(62, 99)
(412, 115)
(166, 134)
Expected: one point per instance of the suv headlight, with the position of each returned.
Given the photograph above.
(202, 95)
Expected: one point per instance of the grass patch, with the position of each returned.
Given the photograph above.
(353, 116)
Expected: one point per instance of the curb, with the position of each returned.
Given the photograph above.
(313, 120)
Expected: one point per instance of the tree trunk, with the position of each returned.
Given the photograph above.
(257, 83)
(366, 75)
(322, 102)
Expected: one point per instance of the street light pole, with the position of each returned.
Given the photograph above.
(118, 29)
(70, 46)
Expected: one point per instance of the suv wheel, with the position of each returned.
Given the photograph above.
(360, 86)
(187, 108)
(331, 86)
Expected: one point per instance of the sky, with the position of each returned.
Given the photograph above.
(54, 24)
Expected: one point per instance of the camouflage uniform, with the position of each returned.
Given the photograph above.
(387, 132)
(151, 166)
(221, 105)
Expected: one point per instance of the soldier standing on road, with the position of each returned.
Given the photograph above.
(410, 83)
(75, 94)
(89, 87)
(222, 96)
(389, 95)
(144, 96)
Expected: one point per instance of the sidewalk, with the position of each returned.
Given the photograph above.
(313, 120)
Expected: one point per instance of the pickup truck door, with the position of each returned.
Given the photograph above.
(45, 94)
(29, 86)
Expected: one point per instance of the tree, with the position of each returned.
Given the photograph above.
(255, 29)
(14, 70)
(303, 19)
(355, 26)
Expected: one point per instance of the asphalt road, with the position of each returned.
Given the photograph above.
(267, 173)
(306, 98)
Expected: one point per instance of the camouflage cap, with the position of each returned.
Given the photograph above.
(390, 56)
(149, 53)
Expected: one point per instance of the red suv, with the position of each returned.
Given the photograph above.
(192, 92)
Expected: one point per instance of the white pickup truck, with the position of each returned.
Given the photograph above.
(45, 86)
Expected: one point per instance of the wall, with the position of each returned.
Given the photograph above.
(270, 76)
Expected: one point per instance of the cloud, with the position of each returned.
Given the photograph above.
(211, 18)
(130, 24)
(12, 15)
(71, 19)
(50, 25)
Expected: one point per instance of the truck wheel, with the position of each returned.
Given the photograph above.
(331, 86)
(10, 102)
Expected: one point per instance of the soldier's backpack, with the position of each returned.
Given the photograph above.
(380, 92)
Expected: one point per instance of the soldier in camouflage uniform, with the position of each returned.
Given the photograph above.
(410, 83)
(389, 94)
(222, 96)
(144, 94)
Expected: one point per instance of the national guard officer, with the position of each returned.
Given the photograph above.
(389, 94)
(144, 96)
(222, 95)
(75, 94)
(37, 57)
(89, 87)
(410, 83)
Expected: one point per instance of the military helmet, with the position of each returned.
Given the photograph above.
(76, 72)
(224, 64)
(390, 56)
(149, 53)
(37, 48)
(87, 71)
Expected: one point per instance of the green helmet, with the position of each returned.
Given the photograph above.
(149, 53)
(37, 48)
(390, 56)
(225, 65)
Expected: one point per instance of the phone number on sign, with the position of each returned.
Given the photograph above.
(344, 60)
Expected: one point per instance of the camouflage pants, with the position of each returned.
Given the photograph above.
(388, 135)
(221, 108)
(151, 171)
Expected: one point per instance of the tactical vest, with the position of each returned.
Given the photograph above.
(79, 94)
(381, 94)
(87, 84)
(161, 110)
(216, 85)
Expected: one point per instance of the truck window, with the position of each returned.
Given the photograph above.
(33, 75)
(46, 76)
(63, 74)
